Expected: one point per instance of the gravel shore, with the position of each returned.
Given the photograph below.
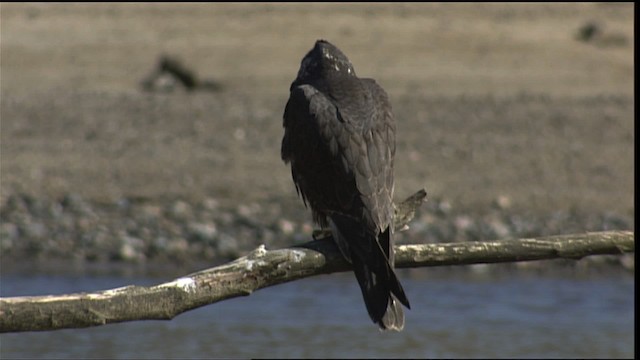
(181, 233)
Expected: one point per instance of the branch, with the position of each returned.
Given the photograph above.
(262, 268)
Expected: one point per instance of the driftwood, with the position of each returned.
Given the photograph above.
(262, 268)
(171, 73)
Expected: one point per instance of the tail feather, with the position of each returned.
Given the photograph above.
(381, 290)
(393, 319)
(386, 246)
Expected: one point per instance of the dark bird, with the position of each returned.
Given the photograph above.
(339, 137)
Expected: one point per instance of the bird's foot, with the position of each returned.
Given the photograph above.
(321, 234)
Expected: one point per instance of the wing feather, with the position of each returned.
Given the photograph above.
(313, 144)
(356, 142)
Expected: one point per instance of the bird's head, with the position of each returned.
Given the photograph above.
(324, 59)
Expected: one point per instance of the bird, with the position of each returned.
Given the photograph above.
(339, 139)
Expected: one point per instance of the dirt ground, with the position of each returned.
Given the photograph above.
(491, 100)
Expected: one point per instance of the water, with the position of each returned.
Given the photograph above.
(513, 316)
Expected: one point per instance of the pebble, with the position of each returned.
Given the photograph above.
(463, 222)
(34, 230)
(177, 246)
(502, 202)
(286, 227)
(151, 212)
(8, 236)
(205, 232)
(444, 207)
(228, 245)
(210, 204)
(180, 210)
(499, 228)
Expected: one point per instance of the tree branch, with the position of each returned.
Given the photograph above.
(262, 268)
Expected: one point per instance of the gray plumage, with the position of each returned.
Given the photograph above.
(340, 141)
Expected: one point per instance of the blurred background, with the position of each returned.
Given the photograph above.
(140, 142)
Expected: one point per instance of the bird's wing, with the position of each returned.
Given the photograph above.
(314, 144)
(356, 142)
(374, 175)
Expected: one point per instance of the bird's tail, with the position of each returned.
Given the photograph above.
(372, 260)
(393, 319)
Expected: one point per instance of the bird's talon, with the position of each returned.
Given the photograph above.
(321, 234)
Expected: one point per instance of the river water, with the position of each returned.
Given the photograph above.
(453, 315)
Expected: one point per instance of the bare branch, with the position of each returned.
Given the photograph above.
(262, 268)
